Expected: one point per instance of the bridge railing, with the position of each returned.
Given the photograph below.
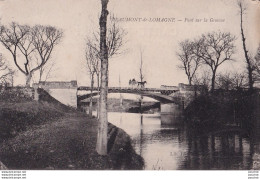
(86, 88)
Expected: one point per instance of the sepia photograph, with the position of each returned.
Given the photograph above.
(89, 85)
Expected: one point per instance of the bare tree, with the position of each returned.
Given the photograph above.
(142, 77)
(239, 80)
(257, 56)
(224, 81)
(189, 61)
(101, 146)
(45, 72)
(216, 48)
(39, 40)
(92, 53)
(231, 81)
(203, 79)
(141, 68)
(26, 47)
(93, 68)
(250, 64)
(44, 39)
(257, 65)
(10, 37)
(115, 39)
(97, 70)
(6, 73)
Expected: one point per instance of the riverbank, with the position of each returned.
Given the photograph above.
(19, 113)
(52, 136)
(222, 109)
(68, 143)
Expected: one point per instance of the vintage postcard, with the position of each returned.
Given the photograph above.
(129, 85)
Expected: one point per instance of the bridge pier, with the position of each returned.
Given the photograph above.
(171, 114)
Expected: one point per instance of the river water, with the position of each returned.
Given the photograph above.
(176, 147)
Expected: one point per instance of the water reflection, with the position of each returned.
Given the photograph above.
(176, 147)
(223, 151)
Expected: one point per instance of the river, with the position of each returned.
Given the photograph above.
(177, 148)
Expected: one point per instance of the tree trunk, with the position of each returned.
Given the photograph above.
(250, 78)
(91, 97)
(98, 101)
(101, 146)
(189, 80)
(28, 79)
(40, 75)
(90, 107)
(213, 80)
(249, 65)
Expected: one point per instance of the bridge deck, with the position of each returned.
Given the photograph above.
(85, 88)
(155, 93)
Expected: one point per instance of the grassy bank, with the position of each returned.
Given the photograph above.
(67, 143)
(49, 135)
(19, 113)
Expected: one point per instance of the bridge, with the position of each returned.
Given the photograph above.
(158, 94)
(172, 99)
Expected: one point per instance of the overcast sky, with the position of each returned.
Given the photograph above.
(159, 40)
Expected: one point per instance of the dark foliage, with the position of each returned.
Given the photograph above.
(222, 108)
